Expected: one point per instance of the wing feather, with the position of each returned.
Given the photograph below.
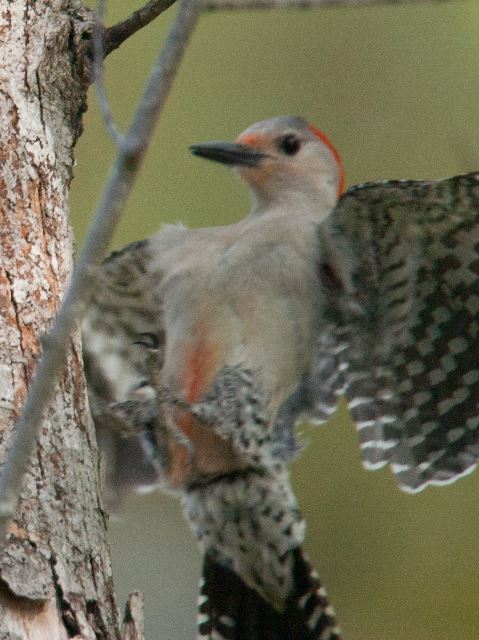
(401, 303)
(124, 305)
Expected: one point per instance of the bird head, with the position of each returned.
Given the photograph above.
(284, 161)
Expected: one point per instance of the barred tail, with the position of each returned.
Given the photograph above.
(229, 610)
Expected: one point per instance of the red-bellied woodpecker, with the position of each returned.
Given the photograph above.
(371, 294)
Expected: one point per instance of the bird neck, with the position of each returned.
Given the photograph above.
(315, 204)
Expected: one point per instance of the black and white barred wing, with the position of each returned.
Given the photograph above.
(399, 329)
(124, 308)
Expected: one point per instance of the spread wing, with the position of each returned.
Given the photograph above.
(398, 329)
(124, 307)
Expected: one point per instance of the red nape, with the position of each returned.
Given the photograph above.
(327, 142)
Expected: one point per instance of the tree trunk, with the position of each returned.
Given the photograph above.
(55, 574)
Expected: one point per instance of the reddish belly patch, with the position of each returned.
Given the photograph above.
(207, 454)
(199, 370)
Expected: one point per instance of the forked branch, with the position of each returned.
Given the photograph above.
(115, 35)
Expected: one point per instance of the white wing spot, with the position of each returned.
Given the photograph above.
(385, 394)
(415, 367)
(202, 618)
(227, 621)
(328, 409)
(433, 332)
(400, 468)
(471, 377)
(429, 427)
(355, 376)
(472, 304)
(455, 434)
(422, 397)
(436, 376)
(357, 402)
(314, 617)
(445, 405)
(411, 413)
(364, 424)
(385, 445)
(448, 363)
(458, 345)
(425, 347)
(374, 466)
(461, 394)
(405, 385)
(472, 423)
(441, 314)
(414, 441)
(303, 600)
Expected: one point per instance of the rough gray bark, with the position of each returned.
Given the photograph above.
(55, 574)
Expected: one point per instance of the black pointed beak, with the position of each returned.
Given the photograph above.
(229, 153)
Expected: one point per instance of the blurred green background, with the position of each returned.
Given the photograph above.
(397, 89)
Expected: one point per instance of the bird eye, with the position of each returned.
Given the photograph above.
(289, 144)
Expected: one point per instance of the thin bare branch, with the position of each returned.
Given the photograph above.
(115, 35)
(97, 68)
(215, 5)
(118, 187)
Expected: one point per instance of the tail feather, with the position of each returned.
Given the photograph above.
(229, 610)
